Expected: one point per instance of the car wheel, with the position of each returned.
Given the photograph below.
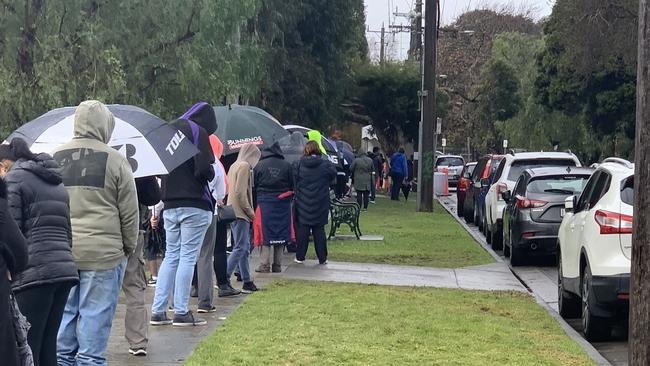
(594, 328)
(506, 247)
(568, 303)
(496, 239)
(516, 254)
(486, 229)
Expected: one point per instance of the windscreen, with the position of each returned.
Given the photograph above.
(450, 161)
(519, 166)
(564, 185)
(627, 193)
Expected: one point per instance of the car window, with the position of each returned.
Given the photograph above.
(601, 187)
(494, 166)
(565, 184)
(520, 165)
(586, 192)
(499, 171)
(520, 187)
(470, 169)
(478, 169)
(627, 192)
(450, 161)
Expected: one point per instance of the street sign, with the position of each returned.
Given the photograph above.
(439, 126)
(444, 142)
(505, 143)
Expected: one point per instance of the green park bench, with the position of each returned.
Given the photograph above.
(344, 213)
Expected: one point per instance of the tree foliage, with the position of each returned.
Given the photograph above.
(295, 58)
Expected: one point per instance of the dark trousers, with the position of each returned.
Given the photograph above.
(341, 188)
(43, 306)
(220, 256)
(396, 186)
(363, 198)
(320, 241)
(373, 189)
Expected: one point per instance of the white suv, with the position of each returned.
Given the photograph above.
(510, 168)
(594, 250)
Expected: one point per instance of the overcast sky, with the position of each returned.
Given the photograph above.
(377, 12)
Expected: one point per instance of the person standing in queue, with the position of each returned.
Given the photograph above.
(362, 169)
(398, 171)
(40, 206)
(240, 182)
(312, 177)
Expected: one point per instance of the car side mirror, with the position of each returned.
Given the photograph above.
(569, 204)
(485, 182)
(506, 195)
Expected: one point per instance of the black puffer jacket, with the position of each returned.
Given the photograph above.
(40, 206)
(273, 174)
(312, 180)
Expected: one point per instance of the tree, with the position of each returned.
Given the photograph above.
(389, 97)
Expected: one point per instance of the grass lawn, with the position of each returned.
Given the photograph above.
(410, 238)
(312, 323)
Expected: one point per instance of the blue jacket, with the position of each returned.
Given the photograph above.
(398, 164)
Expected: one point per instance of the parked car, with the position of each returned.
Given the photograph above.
(455, 165)
(505, 178)
(595, 248)
(481, 172)
(485, 186)
(463, 183)
(535, 208)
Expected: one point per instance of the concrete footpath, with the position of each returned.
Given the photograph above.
(170, 345)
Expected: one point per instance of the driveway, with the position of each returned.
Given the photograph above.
(541, 279)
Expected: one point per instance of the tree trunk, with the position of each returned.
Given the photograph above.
(639, 337)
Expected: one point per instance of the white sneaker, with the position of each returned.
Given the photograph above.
(297, 261)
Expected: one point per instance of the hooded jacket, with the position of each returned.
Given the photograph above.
(361, 169)
(187, 185)
(273, 175)
(103, 198)
(312, 181)
(40, 206)
(317, 137)
(240, 178)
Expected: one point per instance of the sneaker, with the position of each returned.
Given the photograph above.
(187, 320)
(160, 319)
(194, 292)
(151, 282)
(276, 268)
(373, 202)
(248, 288)
(323, 262)
(212, 309)
(238, 276)
(227, 290)
(296, 260)
(138, 351)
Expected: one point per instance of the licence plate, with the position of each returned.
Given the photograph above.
(562, 212)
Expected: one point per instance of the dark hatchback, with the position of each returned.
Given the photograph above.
(535, 209)
(478, 182)
(463, 183)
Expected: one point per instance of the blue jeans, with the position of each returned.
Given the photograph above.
(241, 236)
(185, 228)
(88, 316)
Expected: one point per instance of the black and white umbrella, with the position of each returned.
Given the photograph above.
(152, 146)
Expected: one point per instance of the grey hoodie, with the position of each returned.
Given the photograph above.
(240, 179)
(103, 198)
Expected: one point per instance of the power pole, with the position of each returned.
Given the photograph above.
(382, 50)
(426, 154)
(639, 336)
(415, 49)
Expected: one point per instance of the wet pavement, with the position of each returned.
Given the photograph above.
(541, 279)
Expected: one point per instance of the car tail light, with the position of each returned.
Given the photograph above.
(523, 202)
(613, 223)
(528, 234)
(501, 187)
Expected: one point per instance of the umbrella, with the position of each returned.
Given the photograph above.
(152, 146)
(346, 150)
(330, 147)
(240, 125)
(293, 146)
